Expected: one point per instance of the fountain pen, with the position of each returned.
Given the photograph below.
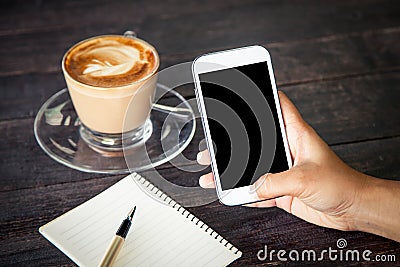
(116, 244)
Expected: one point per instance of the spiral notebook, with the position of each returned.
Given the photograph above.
(163, 233)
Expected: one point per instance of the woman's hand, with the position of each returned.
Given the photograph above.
(320, 188)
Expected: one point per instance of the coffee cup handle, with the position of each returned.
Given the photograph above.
(130, 34)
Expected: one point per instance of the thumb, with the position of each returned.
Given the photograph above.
(287, 183)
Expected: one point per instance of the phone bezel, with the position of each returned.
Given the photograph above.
(225, 60)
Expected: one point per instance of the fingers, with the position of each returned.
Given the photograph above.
(294, 124)
(203, 157)
(207, 181)
(289, 111)
(262, 204)
(287, 183)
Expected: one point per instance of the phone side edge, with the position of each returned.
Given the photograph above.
(206, 129)
(279, 113)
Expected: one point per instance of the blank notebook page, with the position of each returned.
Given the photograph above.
(160, 234)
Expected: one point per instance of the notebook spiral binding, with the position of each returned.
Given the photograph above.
(156, 191)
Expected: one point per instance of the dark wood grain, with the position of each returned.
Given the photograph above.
(18, 17)
(341, 111)
(39, 167)
(294, 63)
(338, 61)
(351, 109)
(252, 228)
(257, 22)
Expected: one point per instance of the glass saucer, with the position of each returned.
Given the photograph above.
(56, 130)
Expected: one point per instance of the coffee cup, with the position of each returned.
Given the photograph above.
(108, 76)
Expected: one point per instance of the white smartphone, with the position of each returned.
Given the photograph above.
(242, 120)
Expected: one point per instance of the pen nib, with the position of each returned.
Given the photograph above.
(131, 213)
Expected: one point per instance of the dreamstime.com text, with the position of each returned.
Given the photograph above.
(332, 254)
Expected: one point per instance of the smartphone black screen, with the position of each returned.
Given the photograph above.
(244, 125)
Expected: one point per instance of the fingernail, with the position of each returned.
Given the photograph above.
(258, 184)
(199, 156)
(252, 188)
(204, 184)
(203, 158)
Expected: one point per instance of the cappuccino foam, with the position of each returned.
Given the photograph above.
(110, 61)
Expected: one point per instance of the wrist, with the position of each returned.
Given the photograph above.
(374, 212)
(364, 217)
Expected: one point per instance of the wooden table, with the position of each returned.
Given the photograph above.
(338, 62)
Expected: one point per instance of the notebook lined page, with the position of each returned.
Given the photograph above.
(160, 234)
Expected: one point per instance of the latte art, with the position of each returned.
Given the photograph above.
(110, 61)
